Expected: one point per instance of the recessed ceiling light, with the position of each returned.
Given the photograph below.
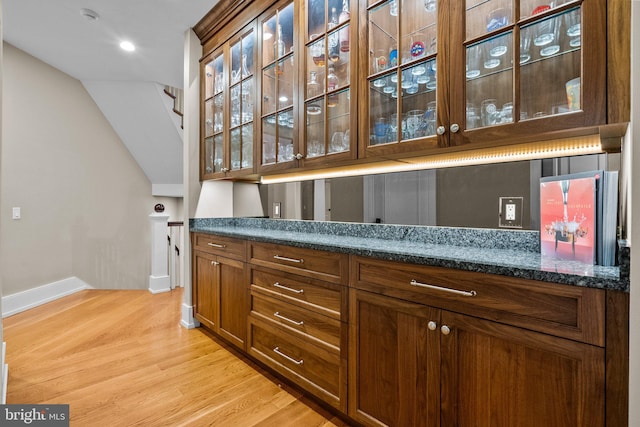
(128, 46)
(91, 15)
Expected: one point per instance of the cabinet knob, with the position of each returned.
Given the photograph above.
(440, 130)
(445, 330)
(215, 263)
(432, 325)
(299, 156)
(455, 128)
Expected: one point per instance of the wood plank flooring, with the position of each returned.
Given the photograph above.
(121, 358)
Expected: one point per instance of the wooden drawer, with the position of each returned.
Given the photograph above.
(567, 311)
(328, 266)
(220, 245)
(314, 368)
(306, 324)
(311, 294)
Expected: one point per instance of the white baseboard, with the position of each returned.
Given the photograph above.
(21, 301)
(159, 284)
(188, 321)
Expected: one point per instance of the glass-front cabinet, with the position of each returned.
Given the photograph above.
(403, 63)
(212, 107)
(329, 69)
(321, 83)
(487, 72)
(228, 108)
(524, 64)
(279, 141)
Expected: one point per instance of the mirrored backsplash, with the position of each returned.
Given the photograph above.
(466, 196)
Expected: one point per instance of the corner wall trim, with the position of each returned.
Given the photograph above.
(21, 301)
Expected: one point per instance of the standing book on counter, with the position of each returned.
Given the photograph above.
(578, 214)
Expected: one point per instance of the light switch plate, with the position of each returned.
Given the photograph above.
(15, 213)
(510, 212)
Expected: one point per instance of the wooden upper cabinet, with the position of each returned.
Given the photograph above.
(328, 89)
(518, 67)
(402, 55)
(439, 73)
(228, 107)
(279, 143)
(318, 83)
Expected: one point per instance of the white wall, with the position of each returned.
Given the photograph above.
(85, 201)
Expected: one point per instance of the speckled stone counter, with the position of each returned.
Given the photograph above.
(504, 252)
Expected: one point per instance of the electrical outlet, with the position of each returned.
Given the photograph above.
(510, 212)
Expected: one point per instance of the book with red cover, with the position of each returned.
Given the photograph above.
(568, 216)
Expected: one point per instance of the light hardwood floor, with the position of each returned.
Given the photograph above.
(121, 358)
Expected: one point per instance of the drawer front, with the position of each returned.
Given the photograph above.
(328, 266)
(312, 367)
(306, 324)
(562, 310)
(220, 245)
(322, 297)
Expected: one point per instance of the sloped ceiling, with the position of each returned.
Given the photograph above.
(123, 84)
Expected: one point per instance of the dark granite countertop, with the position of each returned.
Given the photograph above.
(504, 252)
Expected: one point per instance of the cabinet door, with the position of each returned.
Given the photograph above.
(278, 141)
(212, 152)
(518, 67)
(394, 362)
(233, 301)
(329, 68)
(205, 289)
(404, 75)
(497, 375)
(242, 97)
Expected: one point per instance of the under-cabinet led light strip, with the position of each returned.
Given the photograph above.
(538, 150)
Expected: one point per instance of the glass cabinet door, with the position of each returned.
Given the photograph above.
(402, 74)
(212, 156)
(241, 102)
(278, 142)
(525, 63)
(327, 79)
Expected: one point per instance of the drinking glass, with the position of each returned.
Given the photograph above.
(489, 112)
(550, 44)
(414, 122)
(473, 61)
(337, 142)
(380, 130)
(525, 46)
(572, 22)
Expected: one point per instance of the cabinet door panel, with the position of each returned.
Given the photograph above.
(497, 375)
(233, 301)
(394, 362)
(205, 289)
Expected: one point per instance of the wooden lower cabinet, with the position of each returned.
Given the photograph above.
(394, 362)
(499, 375)
(221, 296)
(415, 365)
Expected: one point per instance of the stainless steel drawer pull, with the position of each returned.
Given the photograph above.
(440, 288)
(296, 291)
(280, 316)
(215, 245)
(289, 358)
(284, 258)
